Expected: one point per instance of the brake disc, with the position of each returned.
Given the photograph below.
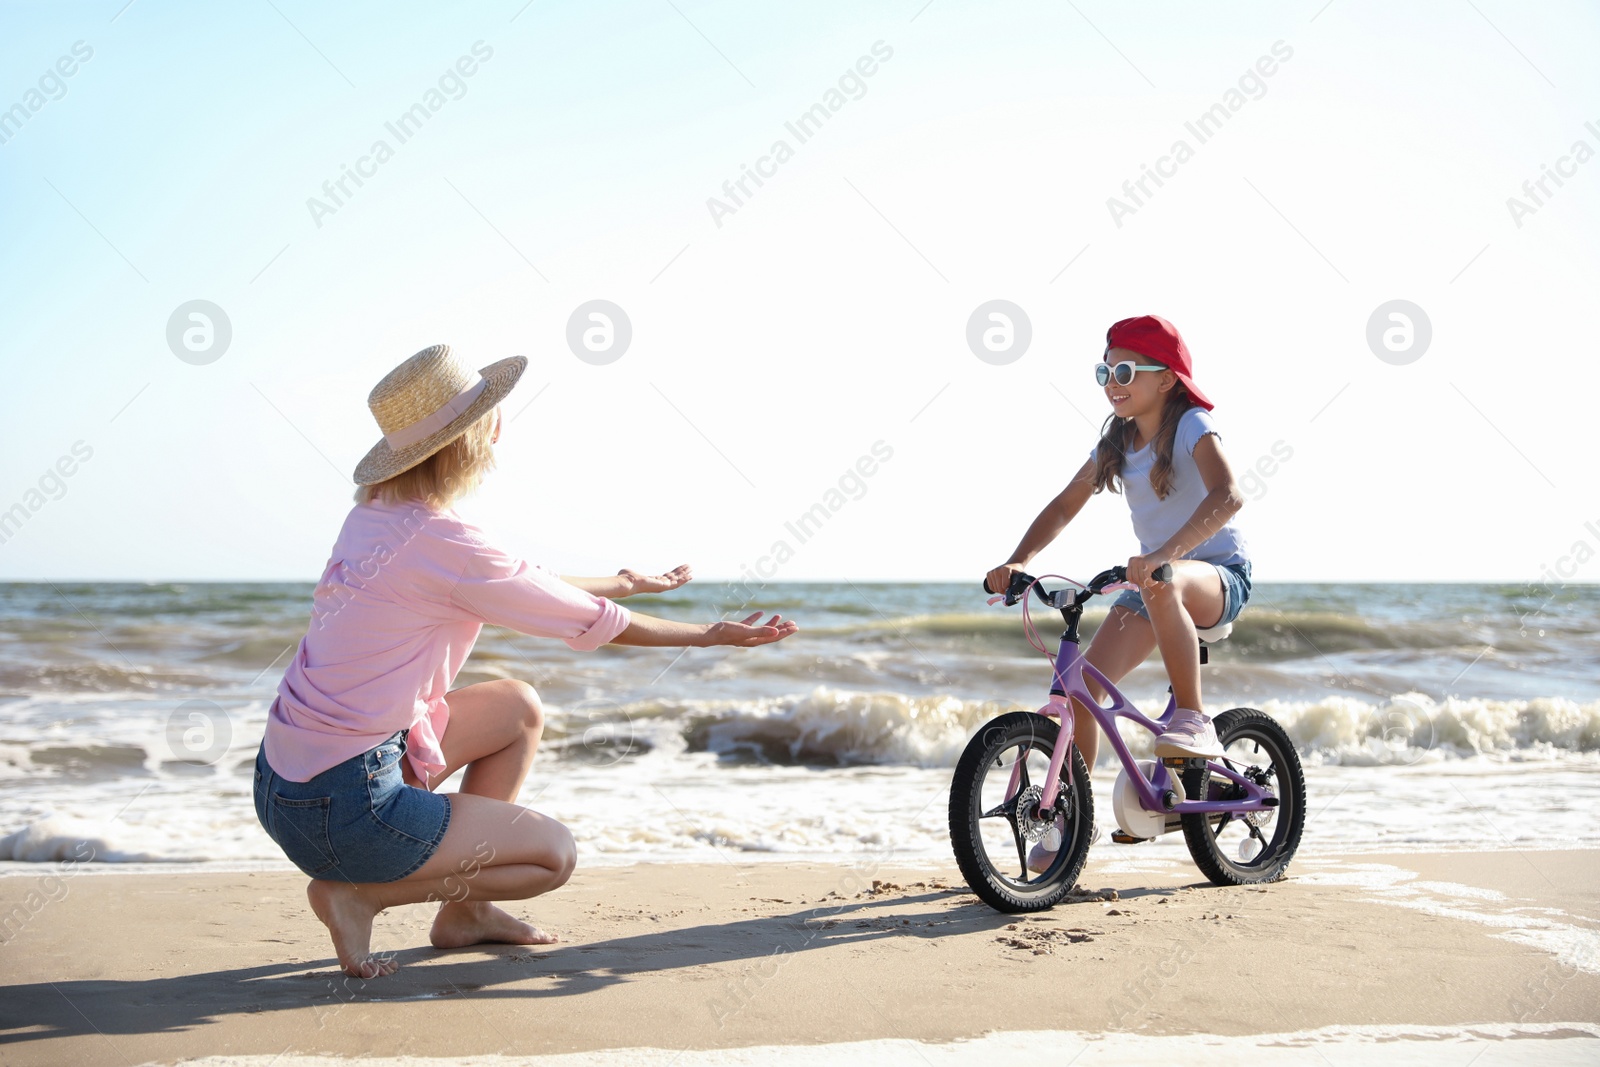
(1029, 826)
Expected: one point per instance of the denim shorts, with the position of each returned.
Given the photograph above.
(357, 821)
(1235, 593)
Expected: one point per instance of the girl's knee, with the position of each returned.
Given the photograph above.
(1161, 598)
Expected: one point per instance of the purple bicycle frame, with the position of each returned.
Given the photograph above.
(1070, 668)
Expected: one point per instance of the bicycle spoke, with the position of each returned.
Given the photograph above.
(1005, 807)
(1022, 855)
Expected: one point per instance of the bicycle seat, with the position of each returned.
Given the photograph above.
(1215, 634)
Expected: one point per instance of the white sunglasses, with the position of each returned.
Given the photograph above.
(1122, 373)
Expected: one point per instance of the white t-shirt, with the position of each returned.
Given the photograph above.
(1155, 520)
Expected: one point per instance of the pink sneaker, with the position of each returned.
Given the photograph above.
(1189, 735)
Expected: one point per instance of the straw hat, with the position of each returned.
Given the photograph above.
(427, 402)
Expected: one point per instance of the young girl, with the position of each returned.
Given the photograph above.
(363, 728)
(1160, 447)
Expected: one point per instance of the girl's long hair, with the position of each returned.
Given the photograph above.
(1112, 450)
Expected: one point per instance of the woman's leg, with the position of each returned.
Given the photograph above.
(494, 849)
(1195, 592)
(491, 851)
(493, 732)
(1121, 644)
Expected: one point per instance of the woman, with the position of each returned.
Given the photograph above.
(362, 729)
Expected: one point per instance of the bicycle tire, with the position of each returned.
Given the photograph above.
(1236, 726)
(1075, 805)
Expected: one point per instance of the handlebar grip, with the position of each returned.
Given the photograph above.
(1019, 584)
(1110, 575)
(1162, 573)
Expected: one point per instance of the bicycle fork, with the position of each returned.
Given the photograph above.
(1060, 709)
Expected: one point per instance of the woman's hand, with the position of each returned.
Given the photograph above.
(634, 582)
(1140, 569)
(649, 631)
(750, 631)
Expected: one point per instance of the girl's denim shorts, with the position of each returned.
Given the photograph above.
(357, 821)
(1235, 593)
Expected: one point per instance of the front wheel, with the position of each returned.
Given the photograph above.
(996, 821)
(1248, 849)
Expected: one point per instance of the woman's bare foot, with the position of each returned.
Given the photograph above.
(461, 923)
(348, 916)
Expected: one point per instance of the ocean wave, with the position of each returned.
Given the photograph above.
(103, 677)
(70, 841)
(963, 632)
(806, 773)
(153, 599)
(1411, 727)
(1259, 632)
(1292, 634)
(93, 761)
(834, 727)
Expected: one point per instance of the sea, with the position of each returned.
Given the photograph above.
(1428, 718)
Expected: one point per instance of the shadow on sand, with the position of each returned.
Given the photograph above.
(174, 1004)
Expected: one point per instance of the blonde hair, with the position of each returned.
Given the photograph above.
(450, 473)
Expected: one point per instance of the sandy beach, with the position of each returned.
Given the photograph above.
(1495, 948)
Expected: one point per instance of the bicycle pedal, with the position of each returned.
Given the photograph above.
(1182, 763)
(1120, 838)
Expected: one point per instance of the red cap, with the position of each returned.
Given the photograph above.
(1156, 338)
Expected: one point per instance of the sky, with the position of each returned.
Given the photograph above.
(1358, 155)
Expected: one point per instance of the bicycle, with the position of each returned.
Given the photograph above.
(1232, 804)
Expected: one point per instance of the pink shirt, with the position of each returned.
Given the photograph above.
(396, 613)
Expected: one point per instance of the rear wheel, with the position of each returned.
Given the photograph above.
(1256, 847)
(995, 818)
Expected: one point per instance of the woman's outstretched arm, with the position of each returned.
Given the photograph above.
(628, 582)
(649, 630)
